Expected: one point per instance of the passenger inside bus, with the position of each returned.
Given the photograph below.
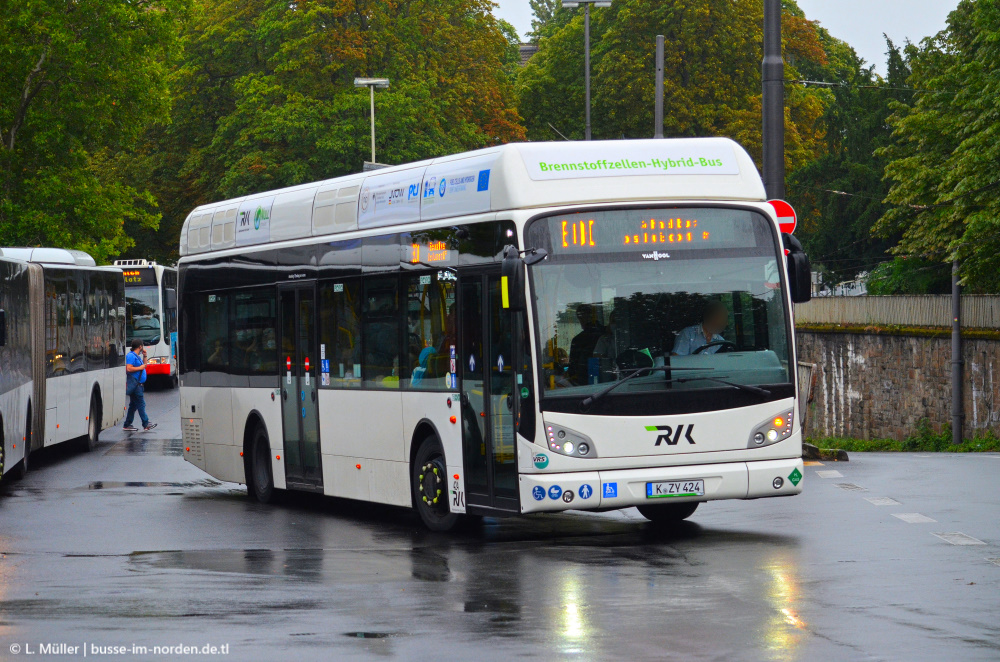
(581, 349)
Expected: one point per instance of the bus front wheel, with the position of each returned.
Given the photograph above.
(666, 513)
(429, 478)
(260, 480)
(93, 425)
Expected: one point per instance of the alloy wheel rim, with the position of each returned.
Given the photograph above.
(431, 482)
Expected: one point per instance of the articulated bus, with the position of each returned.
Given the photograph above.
(527, 328)
(15, 363)
(73, 313)
(151, 314)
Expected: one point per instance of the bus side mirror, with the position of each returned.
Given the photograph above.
(512, 279)
(3, 328)
(170, 298)
(799, 269)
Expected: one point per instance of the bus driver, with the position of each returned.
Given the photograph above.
(714, 321)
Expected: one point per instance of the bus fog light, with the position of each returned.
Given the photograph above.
(772, 435)
(778, 482)
(758, 438)
(583, 449)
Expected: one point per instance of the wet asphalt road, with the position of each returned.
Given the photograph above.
(130, 545)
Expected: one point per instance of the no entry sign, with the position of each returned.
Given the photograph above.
(786, 215)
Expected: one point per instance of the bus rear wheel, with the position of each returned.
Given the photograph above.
(260, 480)
(667, 513)
(429, 478)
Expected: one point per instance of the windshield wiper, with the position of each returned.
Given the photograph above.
(586, 403)
(763, 392)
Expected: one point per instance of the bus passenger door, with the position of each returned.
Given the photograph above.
(487, 407)
(299, 392)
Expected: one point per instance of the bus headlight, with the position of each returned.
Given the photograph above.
(775, 429)
(565, 441)
(157, 360)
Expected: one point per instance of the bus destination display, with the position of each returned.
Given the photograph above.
(145, 276)
(628, 230)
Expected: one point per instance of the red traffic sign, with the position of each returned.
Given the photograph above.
(786, 215)
(307, 363)
(288, 363)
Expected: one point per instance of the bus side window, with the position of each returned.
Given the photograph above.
(340, 334)
(431, 330)
(213, 341)
(254, 351)
(380, 332)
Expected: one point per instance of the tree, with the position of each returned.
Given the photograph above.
(712, 83)
(265, 94)
(944, 159)
(79, 83)
(839, 195)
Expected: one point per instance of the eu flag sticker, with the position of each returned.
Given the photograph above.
(484, 180)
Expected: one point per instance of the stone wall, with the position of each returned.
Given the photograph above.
(880, 386)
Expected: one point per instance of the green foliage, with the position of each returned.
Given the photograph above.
(712, 82)
(79, 83)
(924, 440)
(944, 161)
(264, 94)
(835, 228)
(910, 275)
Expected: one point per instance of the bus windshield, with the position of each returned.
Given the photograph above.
(142, 314)
(693, 295)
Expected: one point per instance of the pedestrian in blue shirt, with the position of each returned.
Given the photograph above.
(714, 321)
(135, 378)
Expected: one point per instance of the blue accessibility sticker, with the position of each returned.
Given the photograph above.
(555, 492)
(585, 491)
(610, 490)
(538, 492)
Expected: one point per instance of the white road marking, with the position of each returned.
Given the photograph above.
(831, 473)
(994, 561)
(914, 518)
(958, 538)
(851, 487)
(881, 501)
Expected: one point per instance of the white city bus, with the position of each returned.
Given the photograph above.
(15, 363)
(75, 312)
(151, 314)
(496, 333)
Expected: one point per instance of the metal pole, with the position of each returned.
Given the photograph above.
(658, 122)
(586, 63)
(371, 88)
(957, 412)
(773, 106)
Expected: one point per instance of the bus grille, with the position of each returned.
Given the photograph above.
(191, 431)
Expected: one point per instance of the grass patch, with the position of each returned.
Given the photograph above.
(925, 440)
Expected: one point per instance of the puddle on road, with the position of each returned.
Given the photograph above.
(148, 446)
(112, 484)
(332, 566)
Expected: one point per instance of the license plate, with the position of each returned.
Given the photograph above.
(675, 488)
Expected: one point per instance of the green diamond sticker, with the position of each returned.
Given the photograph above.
(795, 476)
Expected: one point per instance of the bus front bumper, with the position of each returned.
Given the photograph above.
(628, 487)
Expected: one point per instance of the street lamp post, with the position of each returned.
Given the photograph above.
(773, 103)
(569, 4)
(371, 84)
